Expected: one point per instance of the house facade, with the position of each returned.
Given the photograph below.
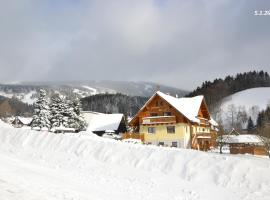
(177, 122)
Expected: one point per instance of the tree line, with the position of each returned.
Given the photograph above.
(215, 91)
(13, 106)
(113, 103)
(263, 122)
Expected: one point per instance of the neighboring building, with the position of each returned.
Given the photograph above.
(247, 144)
(19, 122)
(178, 122)
(100, 123)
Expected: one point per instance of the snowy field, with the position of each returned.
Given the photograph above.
(259, 97)
(46, 166)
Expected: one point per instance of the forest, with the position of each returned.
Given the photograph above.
(215, 91)
(113, 103)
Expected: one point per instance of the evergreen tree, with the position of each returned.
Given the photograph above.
(41, 111)
(66, 113)
(56, 111)
(250, 125)
(59, 111)
(75, 119)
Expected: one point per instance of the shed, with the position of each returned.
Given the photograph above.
(247, 143)
(19, 122)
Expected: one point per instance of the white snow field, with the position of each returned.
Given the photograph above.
(251, 97)
(45, 166)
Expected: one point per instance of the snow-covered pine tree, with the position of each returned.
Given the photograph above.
(59, 111)
(76, 120)
(41, 111)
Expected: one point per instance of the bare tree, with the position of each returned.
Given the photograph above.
(231, 115)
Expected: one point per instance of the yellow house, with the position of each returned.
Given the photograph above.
(177, 122)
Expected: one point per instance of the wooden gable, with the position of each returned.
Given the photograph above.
(203, 111)
(157, 106)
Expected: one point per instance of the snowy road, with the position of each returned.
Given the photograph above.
(63, 167)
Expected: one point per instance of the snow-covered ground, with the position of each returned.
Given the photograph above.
(42, 165)
(249, 98)
(252, 101)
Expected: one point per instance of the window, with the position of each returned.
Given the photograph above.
(174, 144)
(170, 129)
(161, 143)
(203, 129)
(167, 114)
(153, 114)
(151, 130)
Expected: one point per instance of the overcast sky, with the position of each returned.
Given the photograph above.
(179, 43)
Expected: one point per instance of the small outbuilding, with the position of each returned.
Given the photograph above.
(248, 144)
(19, 122)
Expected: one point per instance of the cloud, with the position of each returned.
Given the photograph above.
(178, 43)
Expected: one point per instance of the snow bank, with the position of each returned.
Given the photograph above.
(86, 152)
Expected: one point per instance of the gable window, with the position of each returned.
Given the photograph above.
(170, 129)
(152, 130)
(174, 144)
(167, 114)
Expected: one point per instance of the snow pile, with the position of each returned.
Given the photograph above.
(42, 165)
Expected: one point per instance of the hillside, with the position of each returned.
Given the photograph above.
(113, 103)
(255, 97)
(242, 105)
(27, 92)
(41, 165)
(215, 91)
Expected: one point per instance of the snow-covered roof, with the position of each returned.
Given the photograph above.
(102, 122)
(25, 120)
(188, 106)
(213, 122)
(246, 138)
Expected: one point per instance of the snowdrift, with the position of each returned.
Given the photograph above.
(86, 153)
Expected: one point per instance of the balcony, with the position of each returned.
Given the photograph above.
(159, 120)
(203, 121)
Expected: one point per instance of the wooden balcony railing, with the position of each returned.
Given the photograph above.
(203, 121)
(159, 120)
